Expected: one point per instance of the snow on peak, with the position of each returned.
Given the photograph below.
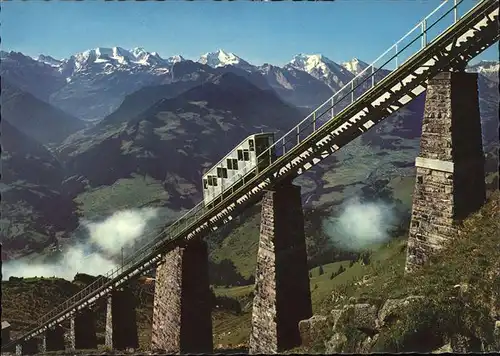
(118, 56)
(488, 69)
(322, 68)
(309, 62)
(485, 66)
(49, 60)
(175, 59)
(316, 63)
(222, 58)
(355, 66)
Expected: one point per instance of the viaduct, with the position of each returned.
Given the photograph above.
(449, 185)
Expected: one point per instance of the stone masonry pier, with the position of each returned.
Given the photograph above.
(121, 321)
(282, 294)
(450, 168)
(182, 308)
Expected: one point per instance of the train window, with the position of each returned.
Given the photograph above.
(246, 155)
(240, 155)
(224, 173)
(232, 163)
(205, 183)
(212, 180)
(250, 144)
(219, 172)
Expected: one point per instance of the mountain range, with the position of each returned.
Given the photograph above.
(92, 84)
(109, 129)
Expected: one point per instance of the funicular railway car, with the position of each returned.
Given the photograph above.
(237, 167)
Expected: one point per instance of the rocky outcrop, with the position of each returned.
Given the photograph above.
(334, 345)
(393, 308)
(310, 328)
(360, 324)
(356, 323)
(496, 335)
(461, 343)
(358, 315)
(494, 278)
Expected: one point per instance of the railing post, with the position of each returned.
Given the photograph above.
(298, 134)
(373, 76)
(424, 33)
(284, 145)
(352, 91)
(314, 121)
(455, 13)
(333, 108)
(397, 65)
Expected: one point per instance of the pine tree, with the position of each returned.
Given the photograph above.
(341, 269)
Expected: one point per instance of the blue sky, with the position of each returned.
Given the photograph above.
(271, 32)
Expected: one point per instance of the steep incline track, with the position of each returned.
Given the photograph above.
(442, 41)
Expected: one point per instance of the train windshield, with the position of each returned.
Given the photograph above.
(261, 144)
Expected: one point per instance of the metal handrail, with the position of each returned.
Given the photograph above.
(187, 219)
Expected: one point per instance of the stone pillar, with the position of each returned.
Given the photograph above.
(450, 181)
(42, 347)
(83, 330)
(54, 339)
(282, 294)
(121, 321)
(182, 321)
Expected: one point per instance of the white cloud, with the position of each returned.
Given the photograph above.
(121, 229)
(361, 224)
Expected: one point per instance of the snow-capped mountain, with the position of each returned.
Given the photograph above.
(487, 68)
(89, 84)
(174, 59)
(92, 84)
(222, 58)
(322, 68)
(355, 66)
(49, 60)
(119, 58)
(295, 86)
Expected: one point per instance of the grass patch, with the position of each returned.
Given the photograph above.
(231, 330)
(123, 194)
(402, 188)
(241, 246)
